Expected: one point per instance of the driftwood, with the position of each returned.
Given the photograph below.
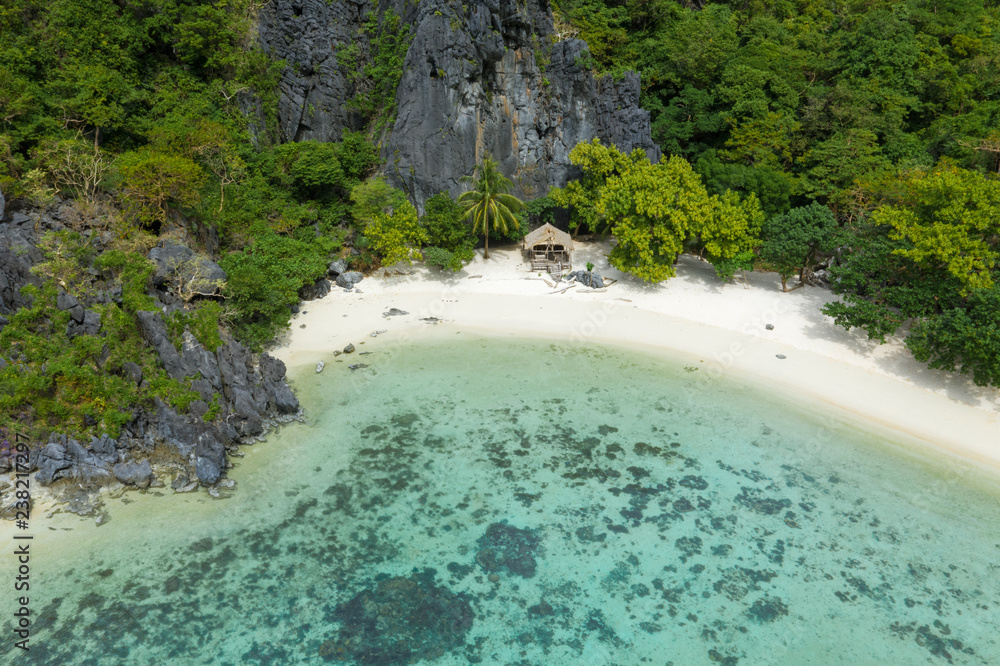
(564, 289)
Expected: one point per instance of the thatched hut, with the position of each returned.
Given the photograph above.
(549, 249)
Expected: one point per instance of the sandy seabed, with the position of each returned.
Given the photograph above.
(718, 328)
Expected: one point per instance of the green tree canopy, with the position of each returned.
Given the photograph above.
(152, 183)
(652, 210)
(792, 240)
(965, 338)
(731, 235)
(948, 218)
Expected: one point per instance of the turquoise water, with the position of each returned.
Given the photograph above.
(504, 501)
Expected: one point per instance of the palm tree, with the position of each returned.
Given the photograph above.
(488, 202)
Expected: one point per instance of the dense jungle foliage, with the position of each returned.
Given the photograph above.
(151, 119)
(886, 112)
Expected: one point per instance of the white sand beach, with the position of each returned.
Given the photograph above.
(715, 327)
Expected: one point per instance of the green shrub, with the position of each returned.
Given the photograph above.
(264, 281)
(202, 321)
(446, 225)
(446, 259)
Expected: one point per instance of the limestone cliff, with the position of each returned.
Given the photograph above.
(487, 75)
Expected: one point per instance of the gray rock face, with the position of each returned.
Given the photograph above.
(337, 266)
(349, 279)
(211, 457)
(472, 83)
(273, 372)
(90, 324)
(178, 265)
(18, 253)
(308, 34)
(132, 371)
(587, 278)
(3, 206)
(318, 289)
(51, 460)
(154, 331)
(247, 391)
(67, 458)
(134, 473)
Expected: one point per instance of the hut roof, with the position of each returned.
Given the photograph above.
(546, 234)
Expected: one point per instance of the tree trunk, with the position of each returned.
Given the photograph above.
(486, 237)
(784, 284)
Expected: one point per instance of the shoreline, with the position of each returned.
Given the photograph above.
(693, 318)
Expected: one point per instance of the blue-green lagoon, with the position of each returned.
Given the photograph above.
(507, 501)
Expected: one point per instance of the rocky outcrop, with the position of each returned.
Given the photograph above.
(249, 393)
(307, 35)
(587, 278)
(18, 253)
(134, 473)
(188, 273)
(66, 458)
(240, 394)
(484, 76)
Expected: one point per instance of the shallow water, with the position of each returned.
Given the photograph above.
(504, 501)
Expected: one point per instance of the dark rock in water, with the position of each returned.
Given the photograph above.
(753, 499)
(683, 505)
(400, 621)
(357, 366)
(587, 534)
(207, 471)
(179, 265)
(134, 473)
(78, 500)
(337, 266)
(769, 327)
(281, 397)
(349, 349)
(780, 356)
(541, 608)
(767, 609)
(395, 312)
(349, 279)
(510, 548)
